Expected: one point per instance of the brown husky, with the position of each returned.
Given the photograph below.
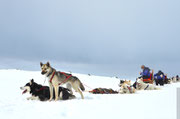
(58, 78)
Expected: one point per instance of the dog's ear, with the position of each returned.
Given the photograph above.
(121, 81)
(48, 64)
(41, 64)
(32, 80)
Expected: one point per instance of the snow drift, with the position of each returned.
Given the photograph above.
(159, 104)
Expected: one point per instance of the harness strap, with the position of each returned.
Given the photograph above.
(67, 77)
(146, 87)
(41, 88)
(52, 77)
(129, 88)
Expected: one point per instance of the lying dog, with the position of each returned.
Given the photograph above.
(140, 85)
(128, 89)
(42, 93)
(174, 80)
(167, 81)
(124, 81)
(103, 91)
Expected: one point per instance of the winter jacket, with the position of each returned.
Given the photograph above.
(159, 76)
(146, 72)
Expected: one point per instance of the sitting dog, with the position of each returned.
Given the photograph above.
(42, 93)
(140, 85)
(126, 88)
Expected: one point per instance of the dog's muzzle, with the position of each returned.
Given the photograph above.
(43, 72)
(23, 89)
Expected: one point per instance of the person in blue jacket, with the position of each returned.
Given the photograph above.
(159, 78)
(146, 72)
(177, 77)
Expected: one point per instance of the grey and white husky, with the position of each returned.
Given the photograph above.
(57, 78)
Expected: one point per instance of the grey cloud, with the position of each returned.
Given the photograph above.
(99, 36)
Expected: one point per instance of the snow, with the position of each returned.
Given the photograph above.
(158, 104)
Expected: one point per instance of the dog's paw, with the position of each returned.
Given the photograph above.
(50, 100)
(56, 99)
(28, 98)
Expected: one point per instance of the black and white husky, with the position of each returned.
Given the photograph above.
(42, 93)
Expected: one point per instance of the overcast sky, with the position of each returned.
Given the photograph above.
(101, 37)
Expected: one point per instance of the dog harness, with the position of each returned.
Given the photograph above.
(129, 87)
(52, 77)
(41, 88)
(67, 77)
(146, 87)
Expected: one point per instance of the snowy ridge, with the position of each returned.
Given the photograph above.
(159, 104)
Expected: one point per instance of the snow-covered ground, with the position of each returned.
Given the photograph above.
(159, 104)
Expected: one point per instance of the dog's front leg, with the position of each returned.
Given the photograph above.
(56, 88)
(35, 98)
(29, 98)
(51, 91)
(32, 98)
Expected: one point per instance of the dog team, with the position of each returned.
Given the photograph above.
(56, 78)
(147, 81)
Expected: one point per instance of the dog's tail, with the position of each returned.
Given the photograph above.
(80, 84)
(82, 87)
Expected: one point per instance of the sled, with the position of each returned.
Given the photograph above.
(103, 91)
(149, 80)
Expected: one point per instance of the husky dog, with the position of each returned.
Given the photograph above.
(124, 81)
(167, 81)
(174, 80)
(57, 78)
(125, 88)
(140, 85)
(42, 93)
